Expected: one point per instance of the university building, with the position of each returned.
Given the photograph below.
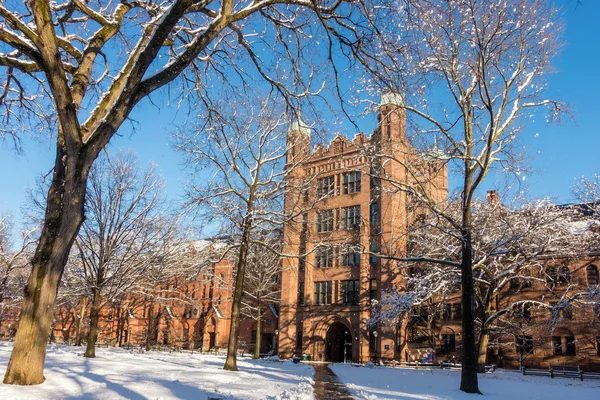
(352, 207)
(188, 312)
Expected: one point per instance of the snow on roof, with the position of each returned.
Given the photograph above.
(581, 227)
(299, 126)
(390, 98)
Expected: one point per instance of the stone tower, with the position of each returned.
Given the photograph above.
(347, 204)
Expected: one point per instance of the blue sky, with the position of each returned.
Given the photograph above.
(557, 154)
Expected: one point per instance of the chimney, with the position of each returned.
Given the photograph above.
(492, 197)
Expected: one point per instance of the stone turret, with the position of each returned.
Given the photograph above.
(298, 140)
(392, 117)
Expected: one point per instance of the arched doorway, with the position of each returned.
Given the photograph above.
(338, 347)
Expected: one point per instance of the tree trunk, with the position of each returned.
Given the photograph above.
(79, 321)
(232, 345)
(63, 218)
(484, 340)
(257, 348)
(150, 328)
(468, 381)
(120, 325)
(92, 338)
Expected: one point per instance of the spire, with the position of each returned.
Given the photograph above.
(435, 153)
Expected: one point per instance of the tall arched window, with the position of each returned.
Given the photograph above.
(592, 274)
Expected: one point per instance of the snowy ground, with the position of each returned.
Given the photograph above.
(398, 383)
(117, 373)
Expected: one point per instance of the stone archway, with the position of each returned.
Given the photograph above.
(338, 343)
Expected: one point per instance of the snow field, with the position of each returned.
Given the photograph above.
(118, 373)
(427, 384)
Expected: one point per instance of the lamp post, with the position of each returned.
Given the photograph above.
(375, 336)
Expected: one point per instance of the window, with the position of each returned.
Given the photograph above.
(598, 346)
(325, 221)
(323, 292)
(557, 345)
(567, 311)
(301, 293)
(374, 248)
(524, 344)
(324, 257)
(373, 289)
(448, 342)
(253, 337)
(447, 311)
(457, 311)
(326, 187)
(350, 292)
(351, 182)
(524, 310)
(551, 276)
(592, 274)
(186, 334)
(519, 283)
(564, 276)
(570, 346)
(351, 217)
(561, 276)
(302, 248)
(374, 215)
(350, 257)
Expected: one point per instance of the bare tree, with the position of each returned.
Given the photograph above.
(243, 149)
(473, 71)
(512, 248)
(261, 286)
(124, 222)
(14, 257)
(14, 260)
(79, 68)
(178, 263)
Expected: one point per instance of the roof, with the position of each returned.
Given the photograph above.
(390, 98)
(299, 126)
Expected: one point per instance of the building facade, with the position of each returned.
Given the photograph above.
(189, 312)
(347, 204)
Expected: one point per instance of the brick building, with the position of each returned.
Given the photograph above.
(326, 292)
(349, 211)
(188, 312)
(526, 337)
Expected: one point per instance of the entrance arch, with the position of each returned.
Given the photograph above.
(338, 343)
